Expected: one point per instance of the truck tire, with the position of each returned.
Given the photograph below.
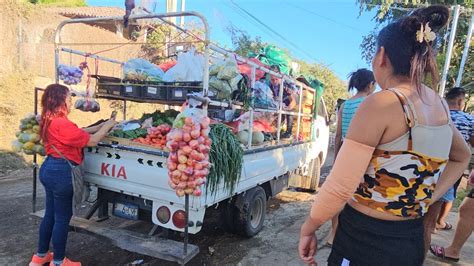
(315, 173)
(228, 212)
(250, 213)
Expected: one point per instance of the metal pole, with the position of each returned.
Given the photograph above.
(124, 110)
(465, 52)
(35, 161)
(449, 51)
(251, 111)
(186, 218)
(71, 51)
(299, 112)
(181, 21)
(56, 63)
(280, 107)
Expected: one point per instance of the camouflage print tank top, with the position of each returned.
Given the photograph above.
(402, 174)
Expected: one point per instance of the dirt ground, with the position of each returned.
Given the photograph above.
(275, 245)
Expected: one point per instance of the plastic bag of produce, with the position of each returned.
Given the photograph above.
(229, 71)
(70, 75)
(215, 83)
(246, 69)
(86, 104)
(190, 67)
(234, 82)
(178, 72)
(263, 95)
(195, 64)
(189, 145)
(142, 70)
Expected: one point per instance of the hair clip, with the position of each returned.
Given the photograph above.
(425, 34)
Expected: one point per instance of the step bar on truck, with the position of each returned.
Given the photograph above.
(144, 244)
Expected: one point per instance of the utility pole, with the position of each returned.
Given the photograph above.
(171, 6)
(465, 52)
(449, 52)
(181, 20)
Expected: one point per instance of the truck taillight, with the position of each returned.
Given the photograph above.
(179, 219)
(163, 214)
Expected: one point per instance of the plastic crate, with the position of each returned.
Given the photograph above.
(178, 91)
(157, 91)
(132, 90)
(109, 85)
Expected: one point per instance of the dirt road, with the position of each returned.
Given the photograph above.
(18, 231)
(275, 245)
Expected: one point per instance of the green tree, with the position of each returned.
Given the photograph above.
(244, 44)
(388, 11)
(334, 87)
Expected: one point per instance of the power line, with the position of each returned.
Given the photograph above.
(275, 32)
(240, 13)
(324, 17)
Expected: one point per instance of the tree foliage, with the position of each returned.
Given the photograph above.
(389, 11)
(334, 87)
(243, 43)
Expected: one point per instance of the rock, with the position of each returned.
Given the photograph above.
(211, 251)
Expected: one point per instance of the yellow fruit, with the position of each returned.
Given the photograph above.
(28, 146)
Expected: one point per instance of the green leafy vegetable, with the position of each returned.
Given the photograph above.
(226, 158)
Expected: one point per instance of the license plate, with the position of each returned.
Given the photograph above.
(126, 210)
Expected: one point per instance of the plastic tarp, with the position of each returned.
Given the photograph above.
(272, 55)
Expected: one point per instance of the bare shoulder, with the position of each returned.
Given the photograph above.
(379, 103)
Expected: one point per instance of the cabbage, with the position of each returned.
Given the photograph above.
(29, 146)
(258, 137)
(17, 146)
(24, 137)
(243, 136)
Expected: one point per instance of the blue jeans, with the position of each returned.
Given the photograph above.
(55, 175)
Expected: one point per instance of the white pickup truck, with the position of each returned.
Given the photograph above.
(132, 181)
(135, 179)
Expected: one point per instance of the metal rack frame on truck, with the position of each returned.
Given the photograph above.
(265, 170)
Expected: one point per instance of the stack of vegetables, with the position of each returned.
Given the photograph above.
(156, 136)
(224, 78)
(28, 138)
(189, 145)
(153, 129)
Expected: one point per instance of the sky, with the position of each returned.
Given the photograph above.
(328, 32)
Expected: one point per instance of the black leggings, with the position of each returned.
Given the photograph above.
(364, 240)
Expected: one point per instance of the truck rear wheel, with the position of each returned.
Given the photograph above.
(250, 212)
(315, 173)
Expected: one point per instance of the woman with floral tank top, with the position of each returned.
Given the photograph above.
(401, 154)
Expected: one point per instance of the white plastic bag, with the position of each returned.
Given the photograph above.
(189, 67)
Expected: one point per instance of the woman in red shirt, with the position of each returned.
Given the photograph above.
(55, 173)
